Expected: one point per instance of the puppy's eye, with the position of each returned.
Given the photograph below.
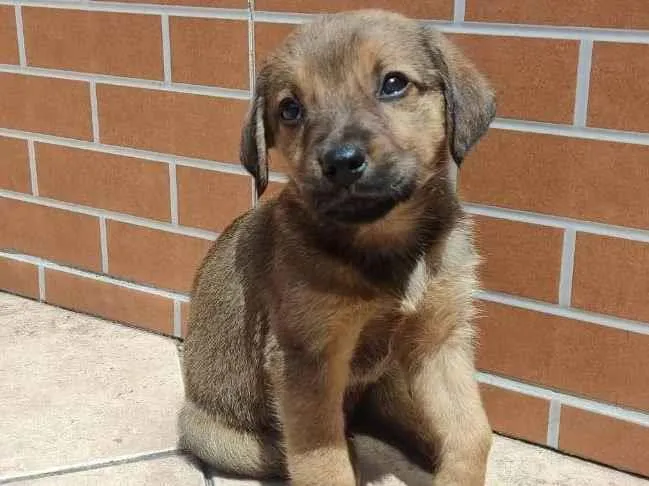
(394, 85)
(290, 111)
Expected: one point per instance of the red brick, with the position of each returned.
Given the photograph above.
(54, 234)
(46, 105)
(211, 200)
(534, 79)
(578, 357)
(106, 181)
(515, 414)
(209, 51)
(268, 37)
(619, 94)
(109, 301)
(621, 444)
(610, 276)
(426, 9)
(619, 14)
(97, 42)
(581, 179)
(19, 277)
(154, 257)
(185, 124)
(8, 37)
(14, 165)
(519, 258)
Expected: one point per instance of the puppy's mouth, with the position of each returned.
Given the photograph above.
(358, 204)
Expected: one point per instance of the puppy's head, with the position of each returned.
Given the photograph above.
(365, 107)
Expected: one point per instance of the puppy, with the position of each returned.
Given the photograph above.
(344, 305)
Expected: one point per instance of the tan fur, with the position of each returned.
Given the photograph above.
(219, 444)
(307, 329)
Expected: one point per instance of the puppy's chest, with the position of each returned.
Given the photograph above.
(376, 347)
(415, 288)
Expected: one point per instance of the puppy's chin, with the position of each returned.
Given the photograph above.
(360, 210)
(357, 206)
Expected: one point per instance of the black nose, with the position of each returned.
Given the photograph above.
(343, 165)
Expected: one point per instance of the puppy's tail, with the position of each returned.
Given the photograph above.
(226, 449)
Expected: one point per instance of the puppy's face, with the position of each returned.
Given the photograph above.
(363, 107)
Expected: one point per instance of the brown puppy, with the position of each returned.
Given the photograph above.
(345, 304)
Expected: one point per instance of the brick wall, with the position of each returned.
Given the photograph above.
(119, 125)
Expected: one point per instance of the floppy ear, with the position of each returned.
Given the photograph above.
(254, 146)
(470, 100)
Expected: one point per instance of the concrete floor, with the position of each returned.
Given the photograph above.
(87, 402)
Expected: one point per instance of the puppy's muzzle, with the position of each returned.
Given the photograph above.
(344, 164)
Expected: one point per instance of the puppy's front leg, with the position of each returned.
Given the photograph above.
(310, 402)
(445, 387)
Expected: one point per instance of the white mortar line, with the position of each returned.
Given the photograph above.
(251, 47)
(94, 110)
(177, 330)
(42, 290)
(567, 267)
(111, 215)
(283, 17)
(212, 166)
(277, 177)
(253, 191)
(485, 28)
(196, 89)
(141, 8)
(454, 174)
(493, 28)
(613, 322)
(252, 74)
(227, 168)
(123, 151)
(20, 34)
(543, 32)
(459, 11)
(554, 423)
(134, 152)
(95, 276)
(33, 172)
(587, 404)
(173, 193)
(166, 48)
(583, 82)
(587, 133)
(21, 257)
(559, 222)
(103, 243)
(183, 88)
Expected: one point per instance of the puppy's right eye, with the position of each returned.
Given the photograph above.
(290, 111)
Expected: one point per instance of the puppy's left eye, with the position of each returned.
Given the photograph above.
(394, 85)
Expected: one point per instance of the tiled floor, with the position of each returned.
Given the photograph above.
(86, 402)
